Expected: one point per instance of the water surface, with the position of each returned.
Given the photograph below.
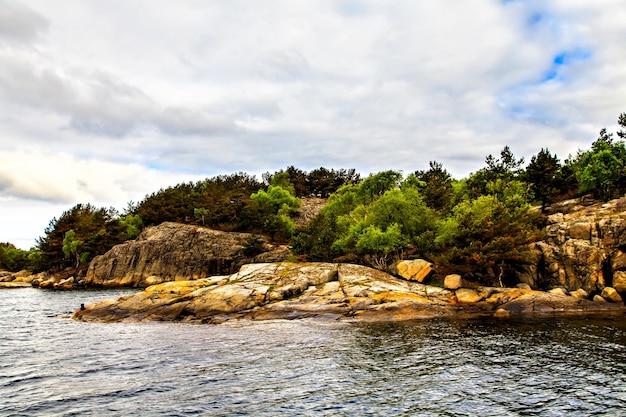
(53, 366)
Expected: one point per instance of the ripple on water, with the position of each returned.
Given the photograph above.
(53, 366)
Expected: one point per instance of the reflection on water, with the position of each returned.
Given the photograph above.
(54, 366)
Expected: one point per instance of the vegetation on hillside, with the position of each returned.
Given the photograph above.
(478, 223)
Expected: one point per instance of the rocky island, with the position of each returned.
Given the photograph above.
(328, 290)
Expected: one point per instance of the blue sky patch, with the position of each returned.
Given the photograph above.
(564, 59)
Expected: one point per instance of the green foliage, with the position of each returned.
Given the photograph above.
(375, 217)
(200, 214)
(506, 168)
(13, 259)
(132, 225)
(320, 182)
(437, 189)
(72, 247)
(98, 229)
(489, 230)
(543, 174)
(277, 205)
(276, 199)
(226, 199)
(602, 170)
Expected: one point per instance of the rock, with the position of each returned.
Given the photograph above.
(580, 294)
(619, 281)
(580, 230)
(453, 282)
(173, 251)
(582, 247)
(47, 284)
(599, 299)
(14, 284)
(558, 291)
(538, 302)
(337, 291)
(609, 294)
(66, 284)
(523, 286)
(414, 270)
(466, 295)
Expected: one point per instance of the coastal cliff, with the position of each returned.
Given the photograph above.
(174, 251)
(584, 248)
(327, 290)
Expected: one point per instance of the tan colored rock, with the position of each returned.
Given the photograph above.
(619, 281)
(47, 284)
(66, 284)
(502, 313)
(523, 286)
(609, 294)
(453, 282)
(415, 270)
(580, 294)
(467, 295)
(14, 284)
(176, 252)
(580, 230)
(599, 299)
(335, 291)
(559, 291)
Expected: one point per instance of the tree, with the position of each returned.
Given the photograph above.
(437, 190)
(278, 205)
(505, 168)
(200, 214)
(98, 229)
(601, 170)
(543, 175)
(72, 246)
(375, 219)
(13, 259)
(132, 225)
(621, 120)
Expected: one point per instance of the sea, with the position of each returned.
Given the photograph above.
(51, 365)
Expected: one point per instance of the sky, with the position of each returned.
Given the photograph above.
(104, 102)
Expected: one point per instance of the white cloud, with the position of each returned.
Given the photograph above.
(106, 100)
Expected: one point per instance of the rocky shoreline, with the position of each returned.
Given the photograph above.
(329, 291)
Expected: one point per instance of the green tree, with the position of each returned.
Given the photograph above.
(505, 168)
(200, 214)
(437, 190)
(278, 205)
(132, 225)
(72, 247)
(375, 219)
(543, 175)
(489, 231)
(13, 259)
(601, 170)
(98, 228)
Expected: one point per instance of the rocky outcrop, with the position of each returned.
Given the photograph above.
(173, 251)
(332, 291)
(20, 279)
(584, 248)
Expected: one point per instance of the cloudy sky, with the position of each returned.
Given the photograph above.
(106, 101)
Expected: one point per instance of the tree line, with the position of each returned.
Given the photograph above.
(478, 223)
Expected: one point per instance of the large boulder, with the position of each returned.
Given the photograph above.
(173, 251)
(414, 270)
(336, 291)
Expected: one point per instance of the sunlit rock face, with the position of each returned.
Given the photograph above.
(325, 290)
(173, 251)
(584, 248)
